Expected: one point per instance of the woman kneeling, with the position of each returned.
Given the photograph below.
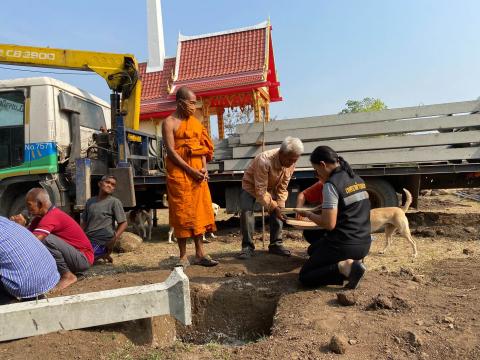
(336, 253)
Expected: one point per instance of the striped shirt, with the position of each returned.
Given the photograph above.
(27, 269)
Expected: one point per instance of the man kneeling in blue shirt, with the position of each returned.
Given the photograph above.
(27, 269)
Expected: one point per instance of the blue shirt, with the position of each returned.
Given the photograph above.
(27, 269)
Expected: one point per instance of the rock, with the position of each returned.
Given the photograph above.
(128, 242)
(451, 326)
(443, 192)
(413, 339)
(419, 322)
(346, 298)
(417, 278)
(338, 344)
(427, 232)
(397, 339)
(470, 230)
(440, 232)
(425, 192)
(405, 271)
(353, 342)
(468, 251)
(435, 192)
(380, 302)
(448, 320)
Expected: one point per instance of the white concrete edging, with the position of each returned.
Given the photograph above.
(171, 297)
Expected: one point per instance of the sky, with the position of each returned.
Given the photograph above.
(406, 53)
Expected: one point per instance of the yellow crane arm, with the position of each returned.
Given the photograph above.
(119, 70)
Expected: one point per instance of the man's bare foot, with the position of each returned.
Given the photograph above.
(66, 280)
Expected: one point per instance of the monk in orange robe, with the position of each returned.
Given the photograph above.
(190, 205)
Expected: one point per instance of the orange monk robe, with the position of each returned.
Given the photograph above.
(189, 201)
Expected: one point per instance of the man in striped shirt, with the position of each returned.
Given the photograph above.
(27, 269)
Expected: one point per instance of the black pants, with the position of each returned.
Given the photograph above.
(5, 296)
(321, 268)
(66, 256)
(247, 223)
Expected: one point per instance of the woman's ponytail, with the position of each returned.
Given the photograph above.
(346, 166)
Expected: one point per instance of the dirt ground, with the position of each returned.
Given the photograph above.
(255, 309)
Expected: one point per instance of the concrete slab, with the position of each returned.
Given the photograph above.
(171, 297)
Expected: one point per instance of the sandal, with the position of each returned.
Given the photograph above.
(356, 274)
(279, 250)
(206, 261)
(183, 263)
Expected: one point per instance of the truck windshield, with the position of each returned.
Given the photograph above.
(12, 133)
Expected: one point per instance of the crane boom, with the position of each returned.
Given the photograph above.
(120, 71)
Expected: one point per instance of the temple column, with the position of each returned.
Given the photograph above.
(221, 129)
(206, 116)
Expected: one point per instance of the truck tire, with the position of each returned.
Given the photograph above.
(18, 205)
(382, 193)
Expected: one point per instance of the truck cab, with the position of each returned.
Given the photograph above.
(36, 136)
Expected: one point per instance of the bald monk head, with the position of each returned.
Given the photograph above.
(186, 102)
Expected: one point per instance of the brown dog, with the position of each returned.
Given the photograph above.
(394, 219)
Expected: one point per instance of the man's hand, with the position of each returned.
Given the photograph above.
(205, 174)
(197, 175)
(19, 219)
(278, 213)
(111, 244)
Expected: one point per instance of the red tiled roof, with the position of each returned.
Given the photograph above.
(155, 87)
(223, 82)
(155, 84)
(221, 55)
(225, 62)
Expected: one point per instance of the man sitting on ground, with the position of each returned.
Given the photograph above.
(63, 237)
(27, 269)
(101, 214)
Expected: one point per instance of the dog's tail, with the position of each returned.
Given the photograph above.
(408, 201)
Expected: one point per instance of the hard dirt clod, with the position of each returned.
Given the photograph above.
(468, 251)
(413, 339)
(380, 302)
(346, 298)
(469, 230)
(338, 344)
(128, 242)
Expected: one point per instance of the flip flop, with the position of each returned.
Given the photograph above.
(206, 261)
(183, 263)
(356, 274)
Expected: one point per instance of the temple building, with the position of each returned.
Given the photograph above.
(227, 69)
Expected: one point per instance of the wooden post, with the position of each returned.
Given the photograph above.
(256, 106)
(221, 129)
(206, 116)
(267, 111)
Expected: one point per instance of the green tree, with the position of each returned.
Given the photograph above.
(366, 105)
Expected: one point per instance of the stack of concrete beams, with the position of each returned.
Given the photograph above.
(395, 137)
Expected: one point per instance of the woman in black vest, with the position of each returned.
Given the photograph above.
(336, 254)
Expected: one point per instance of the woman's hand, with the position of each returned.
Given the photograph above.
(302, 214)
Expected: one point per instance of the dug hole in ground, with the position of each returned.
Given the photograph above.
(256, 309)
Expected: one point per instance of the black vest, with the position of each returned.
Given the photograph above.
(353, 218)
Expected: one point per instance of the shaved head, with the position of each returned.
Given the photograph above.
(184, 93)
